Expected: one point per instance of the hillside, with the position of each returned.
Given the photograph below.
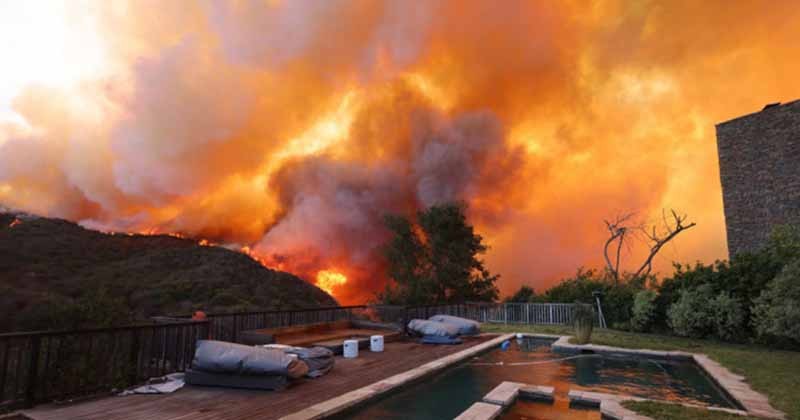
(56, 274)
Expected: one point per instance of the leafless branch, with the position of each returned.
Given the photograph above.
(658, 240)
(621, 227)
(617, 230)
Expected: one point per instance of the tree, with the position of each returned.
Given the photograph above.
(654, 236)
(435, 260)
(525, 294)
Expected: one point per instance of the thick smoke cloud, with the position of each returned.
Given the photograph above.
(334, 209)
(293, 127)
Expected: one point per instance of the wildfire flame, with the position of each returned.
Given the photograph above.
(269, 124)
(329, 280)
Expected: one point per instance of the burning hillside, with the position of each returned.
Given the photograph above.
(56, 274)
(292, 127)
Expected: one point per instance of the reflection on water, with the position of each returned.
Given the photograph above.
(446, 395)
(559, 410)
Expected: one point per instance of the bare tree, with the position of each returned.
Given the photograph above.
(655, 238)
(617, 231)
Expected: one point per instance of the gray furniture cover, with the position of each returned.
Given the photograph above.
(320, 360)
(465, 326)
(437, 339)
(432, 328)
(229, 358)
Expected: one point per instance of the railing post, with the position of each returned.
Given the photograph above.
(33, 371)
(405, 320)
(133, 376)
(206, 330)
(235, 328)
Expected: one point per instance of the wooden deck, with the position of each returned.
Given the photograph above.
(203, 403)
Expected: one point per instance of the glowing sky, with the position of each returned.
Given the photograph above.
(292, 127)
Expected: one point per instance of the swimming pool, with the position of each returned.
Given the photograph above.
(530, 360)
(560, 409)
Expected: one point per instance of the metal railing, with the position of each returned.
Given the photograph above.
(532, 313)
(507, 313)
(45, 366)
(61, 365)
(228, 326)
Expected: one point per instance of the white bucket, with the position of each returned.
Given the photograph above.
(350, 350)
(376, 343)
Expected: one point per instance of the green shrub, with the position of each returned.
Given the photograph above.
(700, 313)
(691, 315)
(730, 319)
(777, 310)
(617, 299)
(644, 310)
(684, 277)
(742, 279)
(784, 243)
(583, 317)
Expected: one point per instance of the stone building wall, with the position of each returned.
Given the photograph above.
(759, 162)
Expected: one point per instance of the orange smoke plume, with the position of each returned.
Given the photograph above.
(289, 129)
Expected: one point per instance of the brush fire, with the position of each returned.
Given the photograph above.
(329, 280)
(289, 130)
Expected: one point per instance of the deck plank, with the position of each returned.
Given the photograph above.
(203, 403)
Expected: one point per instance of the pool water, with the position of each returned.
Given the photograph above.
(530, 360)
(558, 410)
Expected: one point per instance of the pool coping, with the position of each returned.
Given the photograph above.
(610, 405)
(753, 403)
(506, 394)
(353, 398)
(481, 411)
(502, 397)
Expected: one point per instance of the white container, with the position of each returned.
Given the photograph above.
(376, 343)
(350, 350)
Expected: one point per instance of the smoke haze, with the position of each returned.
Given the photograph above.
(293, 127)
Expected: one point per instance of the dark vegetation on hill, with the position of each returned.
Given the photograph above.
(55, 274)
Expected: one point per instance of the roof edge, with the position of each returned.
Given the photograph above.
(769, 108)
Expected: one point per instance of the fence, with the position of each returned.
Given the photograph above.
(60, 365)
(509, 313)
(226, 327)
(531, 313)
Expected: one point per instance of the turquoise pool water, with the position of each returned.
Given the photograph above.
(531, 361)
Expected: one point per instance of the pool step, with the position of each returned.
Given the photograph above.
(481, 411)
